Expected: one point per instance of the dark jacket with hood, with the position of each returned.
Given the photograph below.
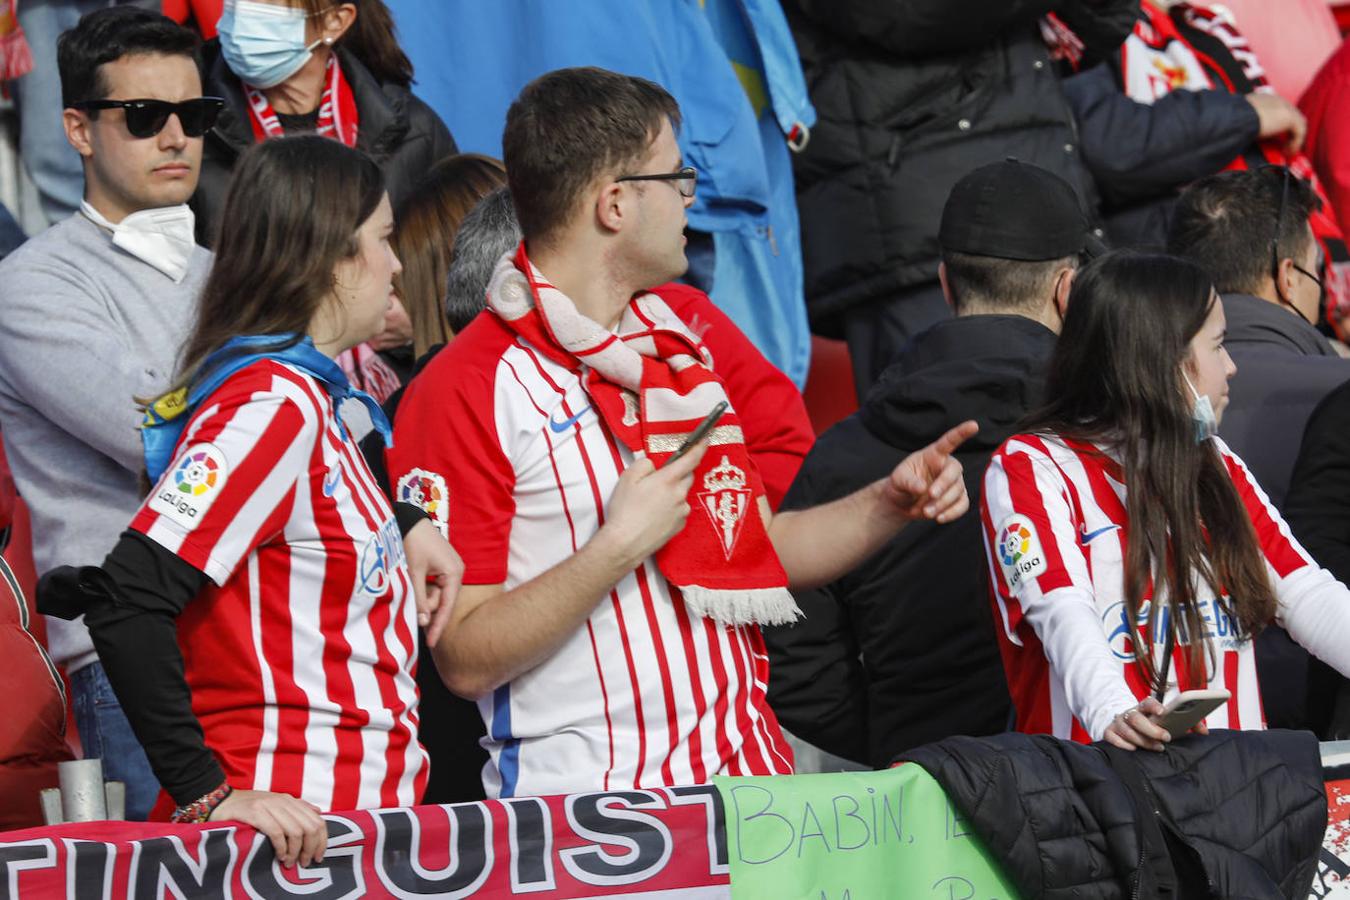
(901, 651)
(910, 96)
(400, 132)
(1232, 814)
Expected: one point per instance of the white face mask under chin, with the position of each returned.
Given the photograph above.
(163, 237)
(1202, 414)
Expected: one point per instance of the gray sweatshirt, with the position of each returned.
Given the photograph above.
(85, 328)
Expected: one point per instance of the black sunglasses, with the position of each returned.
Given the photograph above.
(147, 118)
(686, 179)
(1286, 176)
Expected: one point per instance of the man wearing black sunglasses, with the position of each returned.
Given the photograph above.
(92, 315)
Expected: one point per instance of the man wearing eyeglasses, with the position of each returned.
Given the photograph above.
(92, 315)
(1250, 230)
(614, 583)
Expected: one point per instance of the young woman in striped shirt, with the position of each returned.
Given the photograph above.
(1119, 521)
(257, 618)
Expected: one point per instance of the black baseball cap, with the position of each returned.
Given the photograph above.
(1015, 210)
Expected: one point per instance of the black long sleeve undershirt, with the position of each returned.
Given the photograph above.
(131, 605)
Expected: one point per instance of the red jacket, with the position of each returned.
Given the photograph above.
(206, 13)
(1326, 103)
(33, 727)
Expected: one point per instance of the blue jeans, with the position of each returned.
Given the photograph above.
(51, 162)
(105, 733)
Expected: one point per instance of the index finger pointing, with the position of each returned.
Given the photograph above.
(955, 437)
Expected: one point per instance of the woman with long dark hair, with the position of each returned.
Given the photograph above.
(256, 619)
(1118, 521)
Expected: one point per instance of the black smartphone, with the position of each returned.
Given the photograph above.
(700, 432)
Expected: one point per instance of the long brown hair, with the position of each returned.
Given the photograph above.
(291, 214)
(1116, 379)
(372, 40)
(424, 238)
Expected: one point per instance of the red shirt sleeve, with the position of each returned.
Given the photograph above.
(447, 457)
(778, 431)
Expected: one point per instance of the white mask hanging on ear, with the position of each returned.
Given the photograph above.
(162, 237)
(1202, 414)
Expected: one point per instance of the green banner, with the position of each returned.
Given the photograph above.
(854, 836)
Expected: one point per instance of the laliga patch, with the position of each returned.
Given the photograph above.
(426, 490)
(1019, 551)
(189, 488)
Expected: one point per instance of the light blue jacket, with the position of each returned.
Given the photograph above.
(731, 65)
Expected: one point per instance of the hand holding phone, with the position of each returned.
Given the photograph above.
(1188, 709)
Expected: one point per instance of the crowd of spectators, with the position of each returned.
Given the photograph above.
(360, 469)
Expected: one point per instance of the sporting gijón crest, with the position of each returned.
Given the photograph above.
(726, 499)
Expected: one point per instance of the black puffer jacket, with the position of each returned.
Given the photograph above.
(1232, 814)
(910, 96)
(901, 651)
(399, 131)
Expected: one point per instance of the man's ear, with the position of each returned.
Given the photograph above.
(1284, 279)
(76, 124)
(1063, 288)
(609, 207)
(946, 288)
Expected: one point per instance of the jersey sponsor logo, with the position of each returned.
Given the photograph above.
(1221, 629)
(560, 427)
(1019, 551)
(725, 499)
(427, 491)
(1085, 537)
(192, 485)
(332, 480)
(381, 555)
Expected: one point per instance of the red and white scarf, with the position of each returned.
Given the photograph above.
(368, 372)
(337, 109)
(1159, 58)
(651, 385)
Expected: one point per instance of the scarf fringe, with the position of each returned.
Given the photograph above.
(749, 606)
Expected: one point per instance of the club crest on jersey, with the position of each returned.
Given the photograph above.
(726, 499)
(427, 491)
(191, 485)
(1019, 551)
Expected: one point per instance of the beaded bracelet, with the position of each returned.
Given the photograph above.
(199, 810)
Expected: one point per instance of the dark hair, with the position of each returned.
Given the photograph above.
(292, 213)
(1115, 378)
(991, 284)
(488, 231)
(372, 40)
(1225, 224)
(107, 35)
(424, 238)
(569, 127)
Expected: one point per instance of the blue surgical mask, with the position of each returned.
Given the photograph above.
(263, 44)
(1202, 414)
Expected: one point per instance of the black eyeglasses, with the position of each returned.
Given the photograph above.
(147, 118)
(686, 179)
(1285, 177)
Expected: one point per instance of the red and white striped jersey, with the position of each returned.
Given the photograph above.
(300, 654)
(498, 442)
(1055, 528)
